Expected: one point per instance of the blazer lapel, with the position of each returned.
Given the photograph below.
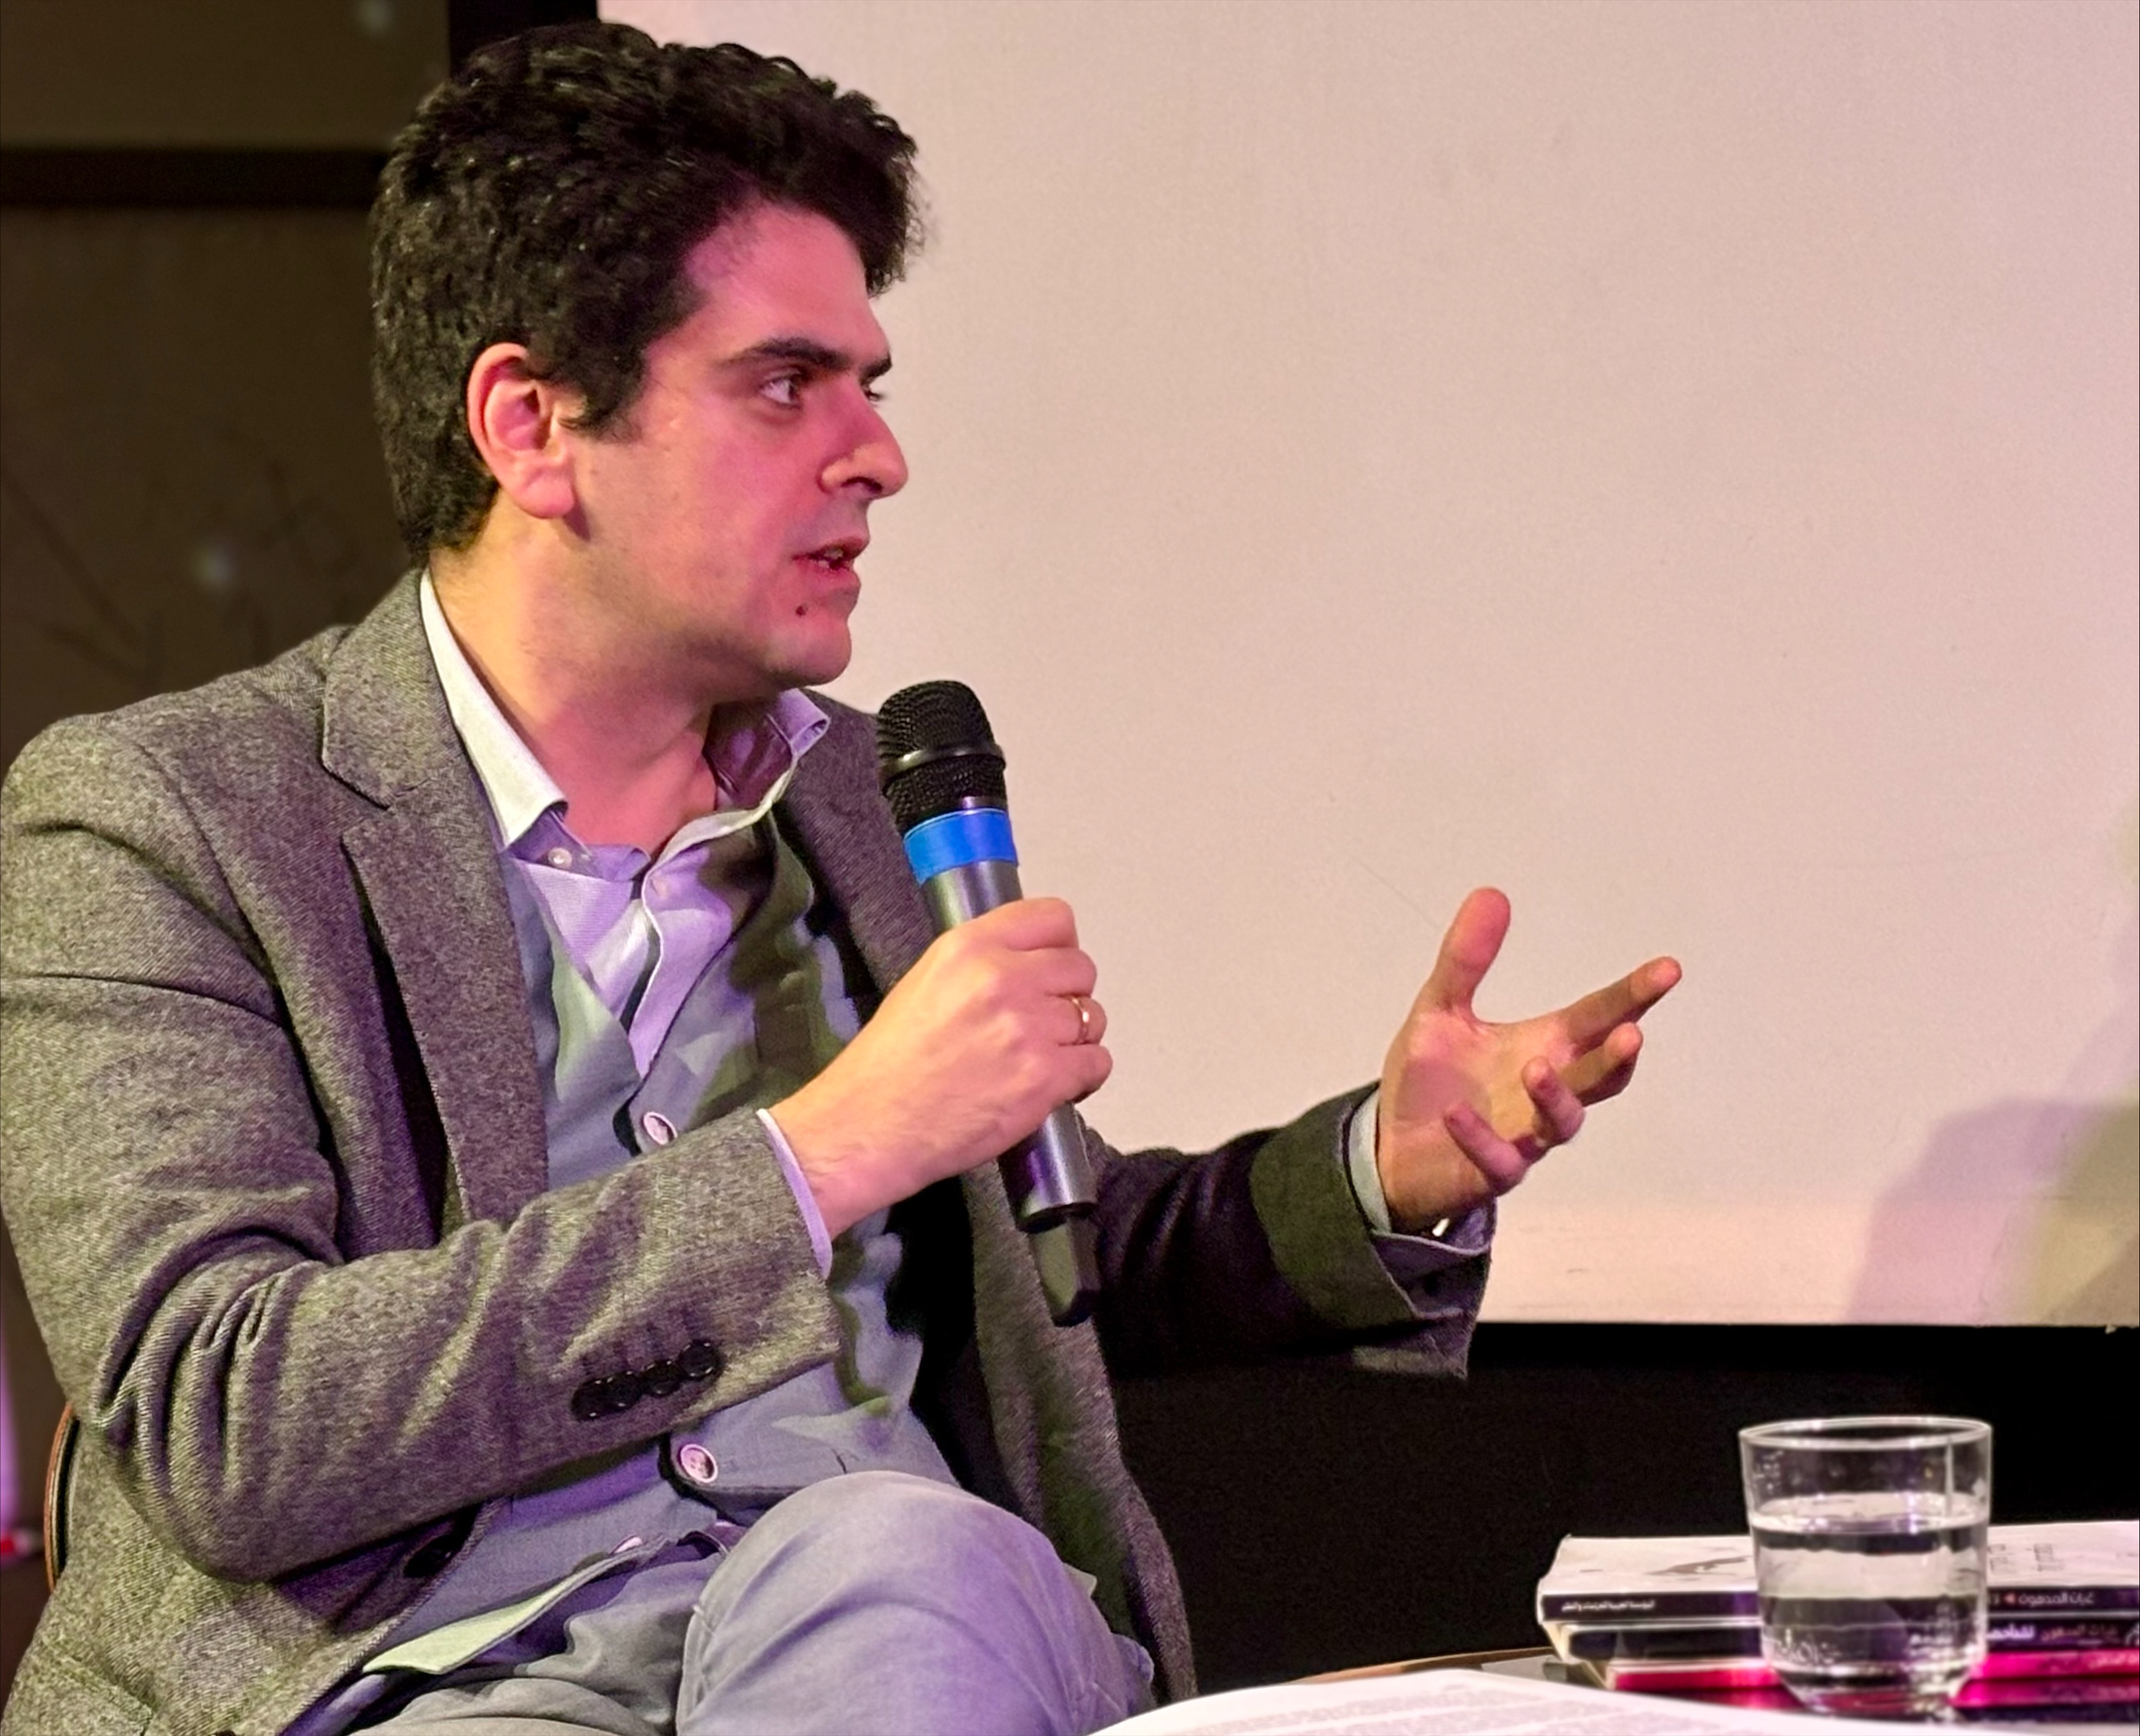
(836, 818)
(427, 862)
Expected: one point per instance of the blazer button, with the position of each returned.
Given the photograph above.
(700, 1360)
(661, 1378)
(624, 1391)
(591, 1400)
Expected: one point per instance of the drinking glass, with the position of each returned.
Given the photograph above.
(1869, 1557)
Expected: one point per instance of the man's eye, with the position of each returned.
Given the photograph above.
(784, 389)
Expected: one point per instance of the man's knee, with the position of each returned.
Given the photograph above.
(955, 1614)
(885, 1526)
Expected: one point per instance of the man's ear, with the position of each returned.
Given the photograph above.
(518, 422)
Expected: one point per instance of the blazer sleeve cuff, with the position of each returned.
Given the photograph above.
(1412, 1260)
(1323, 1245)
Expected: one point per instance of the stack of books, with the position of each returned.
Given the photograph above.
(1679, 1615)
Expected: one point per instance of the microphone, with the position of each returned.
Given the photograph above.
(943, 772)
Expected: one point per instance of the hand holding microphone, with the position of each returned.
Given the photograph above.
(976, 1050)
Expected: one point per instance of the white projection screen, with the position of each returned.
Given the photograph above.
(1673, 461)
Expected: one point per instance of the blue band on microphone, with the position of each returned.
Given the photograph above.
(963, 835)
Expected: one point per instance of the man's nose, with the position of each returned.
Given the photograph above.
(873, 460)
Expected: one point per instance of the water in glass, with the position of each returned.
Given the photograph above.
(1872, 1602)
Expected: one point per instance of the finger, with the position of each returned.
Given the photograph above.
(1596, 1013)
(1026, 925)
(1469, 949)
(1605, 1070)
(1089, 1028)
(1057, 970)
(1090, 1066)
(1560, 1110)
(1495, 1157)
(1612, 1083)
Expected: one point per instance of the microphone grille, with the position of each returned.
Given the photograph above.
(960, 766)
(929, 714)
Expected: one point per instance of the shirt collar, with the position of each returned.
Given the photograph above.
(752, 750)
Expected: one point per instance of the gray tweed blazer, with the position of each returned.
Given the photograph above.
(274, 1163)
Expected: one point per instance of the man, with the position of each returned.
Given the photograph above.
(501, 1163)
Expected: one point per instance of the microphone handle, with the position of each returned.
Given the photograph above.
(1047, 1175)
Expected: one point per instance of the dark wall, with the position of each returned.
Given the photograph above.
(190, 482)
(279, 75)
(191, 479)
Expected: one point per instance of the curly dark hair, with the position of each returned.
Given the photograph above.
(547, 195)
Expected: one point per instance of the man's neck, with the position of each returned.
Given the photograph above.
(620, 739)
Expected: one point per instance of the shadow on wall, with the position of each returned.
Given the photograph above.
(2022, 1211)
(2081, 1266)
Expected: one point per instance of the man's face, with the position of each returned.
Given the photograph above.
(725, 516)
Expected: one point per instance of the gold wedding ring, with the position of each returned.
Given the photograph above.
(1084, 1009)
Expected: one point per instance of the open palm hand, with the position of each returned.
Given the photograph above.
(1468, 1107)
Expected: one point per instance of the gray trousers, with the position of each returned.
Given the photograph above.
(876, 1604)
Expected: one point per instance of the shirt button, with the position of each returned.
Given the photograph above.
(696, 1465)
(557, 856)
(658, 1127)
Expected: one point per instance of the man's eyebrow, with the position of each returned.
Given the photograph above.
(811, 353)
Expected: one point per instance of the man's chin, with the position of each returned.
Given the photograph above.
(824, 659)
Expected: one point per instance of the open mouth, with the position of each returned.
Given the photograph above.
(836, 557)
